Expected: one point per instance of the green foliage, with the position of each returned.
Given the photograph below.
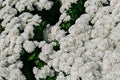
(75, 11)
(1, 28)
(30, 60)
(39, 63)
(57, 47)
(38, 31)
(32, 57)
(66, 25)
(28, 65)
(51, 16)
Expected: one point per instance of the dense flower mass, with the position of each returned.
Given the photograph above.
(89, 50)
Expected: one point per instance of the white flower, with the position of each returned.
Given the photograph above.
(36, 19)
(117, 17)
(19, 40)
(43, 72)
(84, 19)
(55, 63)
(33, 1)
(67, 18)
(47, 48)
(62, 16)
(61, 76)
(18, 64)
(44, 4)
(90, 51)
(114, 33)
(29, 29)
(3, 63)
(13, 58)
(113, 2)
(4, 72)
(29, 46)
(17, 49)
(66, 4)
(20, 5)
(16, 74)
(25, 17)
(54, 33)
(41, 44)
(48, 5)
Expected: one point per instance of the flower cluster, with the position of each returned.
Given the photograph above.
(18, 30)
(89, 52)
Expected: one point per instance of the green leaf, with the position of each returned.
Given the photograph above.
(75, 11)
(39, 63)
(38, 31)
(31, 57)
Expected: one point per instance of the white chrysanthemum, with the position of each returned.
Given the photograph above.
(114, 33)
(43, 72)
(20, 5)
(29, 46)
(13, 58)
(19, 40)
(54, 33)
(44, 4)
(66, 4)
(16, 74)
(17, 49)
(90, 51)
(61, 76)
